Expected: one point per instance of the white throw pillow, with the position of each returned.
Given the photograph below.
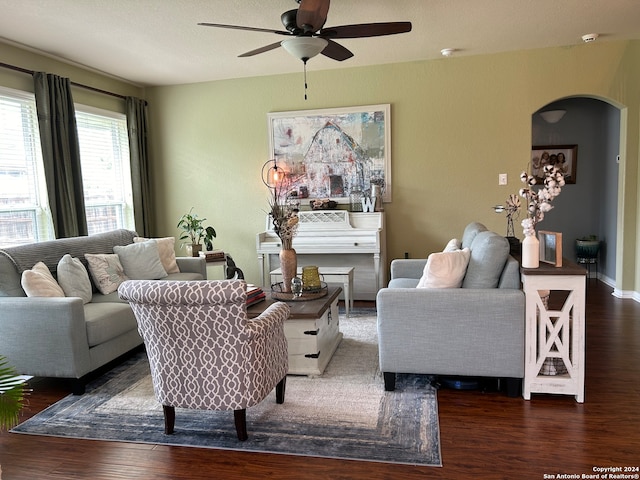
(445, 269)
(166, 250)
(106, 270)
(74, 278)
(38, 282)
(453, 245)
(141, 261)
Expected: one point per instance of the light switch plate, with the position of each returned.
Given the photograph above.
(502, 179)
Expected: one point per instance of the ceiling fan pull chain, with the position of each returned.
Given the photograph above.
(305, 79)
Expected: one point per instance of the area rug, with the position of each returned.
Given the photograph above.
(343, 413)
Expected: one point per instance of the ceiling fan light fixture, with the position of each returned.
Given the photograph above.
(304, 48)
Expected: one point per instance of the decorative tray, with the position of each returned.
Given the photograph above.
(277, 293)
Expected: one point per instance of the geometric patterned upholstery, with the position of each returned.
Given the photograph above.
(204, 353)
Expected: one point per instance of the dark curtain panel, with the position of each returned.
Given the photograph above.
(61, 154)
(136, 110)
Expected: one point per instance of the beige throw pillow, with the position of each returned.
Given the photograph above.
(166, 250)
(445, 269)
(38, 282)
(141, 261)
(453, 245)
(74, 278)
(106, 270)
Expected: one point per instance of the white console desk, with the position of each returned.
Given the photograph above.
(556, 330)
(333, 238)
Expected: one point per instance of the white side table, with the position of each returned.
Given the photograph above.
(342, 275)
(553, 333)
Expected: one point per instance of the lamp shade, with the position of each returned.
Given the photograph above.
(552, 116)
(304, 48)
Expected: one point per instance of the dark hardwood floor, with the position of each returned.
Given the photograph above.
(483, 434)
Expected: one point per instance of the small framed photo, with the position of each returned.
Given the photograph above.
(550, 247)
(565, 157)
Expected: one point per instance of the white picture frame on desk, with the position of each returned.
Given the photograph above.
(550, 247)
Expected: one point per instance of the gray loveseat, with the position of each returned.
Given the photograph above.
(476, 330)
(64, 337)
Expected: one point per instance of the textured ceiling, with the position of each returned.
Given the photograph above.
(158, 42)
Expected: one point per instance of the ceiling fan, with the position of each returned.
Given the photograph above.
(306, 36)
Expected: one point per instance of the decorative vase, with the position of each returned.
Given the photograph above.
(530, 251)
(587, 249)
(289, 267)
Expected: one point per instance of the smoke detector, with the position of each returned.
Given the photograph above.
(447, 52)
(590, 37)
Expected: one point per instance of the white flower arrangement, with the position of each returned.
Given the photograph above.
(539, 201)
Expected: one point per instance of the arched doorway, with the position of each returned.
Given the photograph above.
(590, 206)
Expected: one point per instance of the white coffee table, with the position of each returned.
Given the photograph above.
(312, 331)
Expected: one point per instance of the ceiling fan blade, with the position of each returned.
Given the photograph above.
(266, 48)
(336, 51)
(366, 30)
(239, 27)
(312, 14)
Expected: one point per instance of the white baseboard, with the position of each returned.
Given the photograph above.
(626, 294)
(604, 279)
(619, 293)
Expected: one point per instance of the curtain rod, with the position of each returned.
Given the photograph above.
(80, 85)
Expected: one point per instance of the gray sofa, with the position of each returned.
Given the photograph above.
(63, 337)
(476, 330)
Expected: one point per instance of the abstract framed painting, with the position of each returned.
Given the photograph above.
(335, 152)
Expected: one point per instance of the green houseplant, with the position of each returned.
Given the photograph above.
(12, 392)
(194, 230)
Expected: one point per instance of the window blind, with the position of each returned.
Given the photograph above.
(24, 210)
(106, 173)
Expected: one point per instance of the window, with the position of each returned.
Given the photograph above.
(24, 208)
(106, 173)
(25, 216)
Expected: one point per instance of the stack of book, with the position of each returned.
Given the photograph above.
(212, 255)
(255, 294)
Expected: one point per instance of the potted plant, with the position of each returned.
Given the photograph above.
(12, 394)
(194, 230)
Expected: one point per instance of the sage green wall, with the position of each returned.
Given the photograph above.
(456, 123)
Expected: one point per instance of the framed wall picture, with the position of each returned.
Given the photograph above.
(550, 247)
(333, 152)
(565, 157)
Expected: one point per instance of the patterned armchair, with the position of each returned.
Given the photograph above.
(203, 351)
